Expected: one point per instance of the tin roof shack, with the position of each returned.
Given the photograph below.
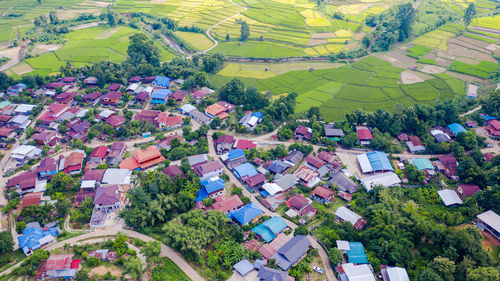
(489, 221)
(356, 220)
(58, 267)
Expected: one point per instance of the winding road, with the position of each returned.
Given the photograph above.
(209, 35)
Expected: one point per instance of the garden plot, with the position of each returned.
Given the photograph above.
(492, 22)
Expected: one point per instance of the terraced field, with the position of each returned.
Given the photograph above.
(369, 84)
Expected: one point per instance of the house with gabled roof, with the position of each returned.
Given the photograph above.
(332, 161)
(468, 190)
(356, 220)
(58, 267)
(364, 135)
(73, 163)
(246, 214)
(224, 143)
(307, 176)
(343, 182)
(47, 167)
(415, 144)
(489, 221)
(107, 198)
(292, 252)
(333, 133)
(115, 154)
(208, 169)
(300, 133)
(211, 187)
(271, 228)
(111, 98)
(228, 204)
(300, 206)
(322, 194)
(172, 171)
(143, 159)
(293, 157)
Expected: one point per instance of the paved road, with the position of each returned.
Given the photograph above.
(166, 251)
(224, 20)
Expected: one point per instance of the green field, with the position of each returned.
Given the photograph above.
(197, 41)
(369, 84)
(482, 69)
(86, 46)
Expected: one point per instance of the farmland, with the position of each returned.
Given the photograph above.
(87, 46)
(368, 84)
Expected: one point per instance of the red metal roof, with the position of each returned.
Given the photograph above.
(364, 134)
(245, 144)
(315, 161)
(99, 151)
(31, 199)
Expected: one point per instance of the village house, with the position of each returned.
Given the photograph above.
(270, 229)
(251, 120)
(449, 197)
(143, 159)
(78, 130)
(467, 190)
(179, 96)
(307, 177)
(216, 110)
(103, 255)
(58, 267)
(234, 158)
(24, 109)
(343, 182)
(384, 179)
(292, 252)
(31, 199)
(115, 154)
(91, 81)
(300, 206)
(316, 164)
(172, 171)
(440, 136)
(7, 133)
(302, 133)
(493, 128)
(47, 168)
(116, 121)
(356, 220)
(211, 187)
(489, 221)
(246, 214)
(374, 162)
(333, 133)
(111, 98)
(98, 155)
(224, 143)
(244, 144)
(322, 194)
(165, 122)
(167, 141)
(449, 166)
(72, 164)
(332, 161)
(293, 157)
(35, 237)
(364, 135)
(415, 144)
(208, 170)
(255, 181)
(49, 138)
(23, 183)
(161, 82)
(160, 96)
(107, 198)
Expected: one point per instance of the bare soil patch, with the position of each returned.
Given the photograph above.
(323, 35)
(85, 25)
(464, 51)
(101, 270)
(396, 58)
(107, 33)
(473, 41)
(492, 47)
(409, 77)
(464, 77)
(432, 69)
(352, 45)
(314, 42)
(43, 48)
(466, 45)
(21, 68)
(485, 29)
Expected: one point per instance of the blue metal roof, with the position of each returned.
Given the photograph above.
(214, 186)
(243, 267)
(161, 94)
(265, 233)
(202, 194)
(457, 128)
(258, 115)
(422, 163)
(208, 181)
(162, 81)
(357, 254)
(246, 214)
(275, 224)
(236, 153)
(379, 161)
(245, 170)
(31, 236)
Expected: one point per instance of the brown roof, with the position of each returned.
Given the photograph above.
(468, 189)
(322, 192)
(215, 109)
(145, 155)
(93, 175)
(227, 204)
(315, 161)
(297, 201)
(172, 171)
(74, 158)
(31, 199)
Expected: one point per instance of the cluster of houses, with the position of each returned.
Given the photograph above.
(219, 110)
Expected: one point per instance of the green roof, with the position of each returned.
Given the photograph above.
(422, 164)
(4, 103)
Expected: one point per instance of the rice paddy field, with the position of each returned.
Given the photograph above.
(17, 16)
(198, 41)
(368, 84)
(86, 46)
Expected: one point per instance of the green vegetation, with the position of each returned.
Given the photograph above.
(482, 69)
(418, 51)
(369, 84)
(197, 41)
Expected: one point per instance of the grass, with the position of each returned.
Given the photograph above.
(418, 51)
(198, 41)
(368, 84)
(482, 69)
(87, 46)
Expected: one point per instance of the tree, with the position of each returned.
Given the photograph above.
(483, 274)
(133, 267)
(5, 80)
(151, 249)
(211, 64)
(216, 122)
(335, 256)
(245, 31)
(444, 267)
(429, 275)
(6, 242)
(285, 133)
(141, 49)
(53, 17)
(469, 14)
